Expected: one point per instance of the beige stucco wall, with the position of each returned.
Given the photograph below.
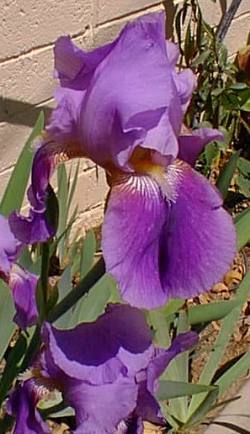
(28, 30)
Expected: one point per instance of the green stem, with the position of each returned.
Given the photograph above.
(42, 288)
(45, 270)
(32, 348)
(12, 366)
(12, 370)
(78, 291)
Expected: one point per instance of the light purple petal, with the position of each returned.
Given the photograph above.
(191, 145)
(32, 229)
(162, 139)
(168, 237)
(9, 248)
(129, 105)
(96, 366)
(107, 113)
(147, 406)
(158, 364)
(97, 359)
(75, 67)
(173, 52)
(22, 405)
(135, 362)
(99, 409)
(23, 285)
(133, 223)
(186, 83)
(63, 125)
(185, 80)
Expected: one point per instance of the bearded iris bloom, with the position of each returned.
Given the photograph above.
(21, 282)
(107, 371)
(165, 233)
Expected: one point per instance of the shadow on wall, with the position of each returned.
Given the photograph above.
(17, 112)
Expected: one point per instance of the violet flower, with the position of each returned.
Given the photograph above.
(165, 232)
(21, 282)
(106, 370)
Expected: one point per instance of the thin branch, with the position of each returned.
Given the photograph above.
(227, 19)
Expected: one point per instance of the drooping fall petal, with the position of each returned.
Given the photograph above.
(36, 227)
(198, 243)
(131, 234)
(166, 236)
(121, 330)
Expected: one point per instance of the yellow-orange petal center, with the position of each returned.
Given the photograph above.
(142, 162)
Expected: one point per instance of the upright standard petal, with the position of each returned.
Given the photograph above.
(185, 80)
(105, 114)
(108, 113)
(9, 248)
(119, 110)
(75, 67)
(166, 236)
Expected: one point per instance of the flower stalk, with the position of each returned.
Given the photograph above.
(78, 291)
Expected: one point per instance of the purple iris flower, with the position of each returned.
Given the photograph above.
(107, 371)
(165, 232)
(21, 282)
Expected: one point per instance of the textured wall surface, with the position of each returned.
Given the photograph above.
(28, 31)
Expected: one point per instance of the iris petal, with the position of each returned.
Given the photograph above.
(23, 286)
(156, 367)
(120, 328)
(131, 233)
(147, 406)
(22, 405)
(9, 250)
(191, 145)
(132, 103)
(75, 67)
(81, 362)
(168, 237)
(198, 242)
(99, 409)
(36, 226)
